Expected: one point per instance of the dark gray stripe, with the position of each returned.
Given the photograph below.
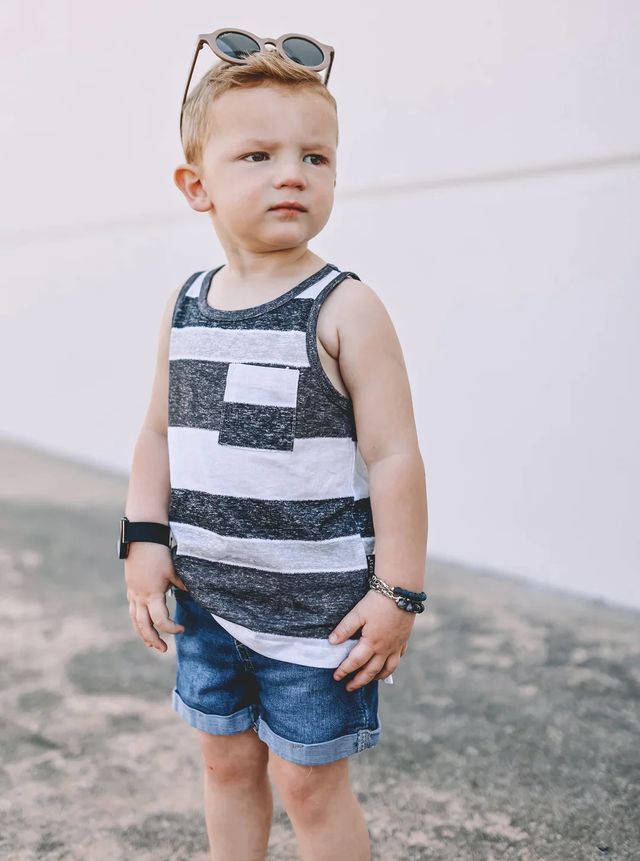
(257, 426)
(276, 519)
(284, 318)
(196, 391)
(296, 605)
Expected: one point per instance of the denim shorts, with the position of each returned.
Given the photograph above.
(302, 713)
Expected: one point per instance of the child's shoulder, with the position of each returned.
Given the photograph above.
(352, 295)
(352, 313)
(351, 303)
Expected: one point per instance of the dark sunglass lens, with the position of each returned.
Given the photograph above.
(236, 45)
(302, 51)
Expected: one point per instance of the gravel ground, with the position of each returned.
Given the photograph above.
(511, 731)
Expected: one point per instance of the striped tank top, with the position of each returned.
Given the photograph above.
(269, 501)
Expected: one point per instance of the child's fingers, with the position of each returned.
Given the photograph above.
(160, 615)
(357, 657)
(147, 631)
(177, 581)
(390, 665)
(347, 626)
(134, 619)
(366, 674)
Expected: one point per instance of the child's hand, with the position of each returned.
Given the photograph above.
(149, 572)
(385, 633)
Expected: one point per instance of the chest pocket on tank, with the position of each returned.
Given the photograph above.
(258, 409)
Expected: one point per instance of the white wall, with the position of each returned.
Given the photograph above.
(488, 185)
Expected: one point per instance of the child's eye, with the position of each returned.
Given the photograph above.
(252, 153)
(323, 159)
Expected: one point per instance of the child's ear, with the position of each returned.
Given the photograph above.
(187, 178)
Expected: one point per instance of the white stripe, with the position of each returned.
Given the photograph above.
(312, 291)
(239, 345)
(194, 290)
(369, 542)
(316, 468)
(288, 556)
(258, 384)
(308, 651)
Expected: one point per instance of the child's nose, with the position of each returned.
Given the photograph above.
(289, 173)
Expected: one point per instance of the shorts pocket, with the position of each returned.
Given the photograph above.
(258, 409)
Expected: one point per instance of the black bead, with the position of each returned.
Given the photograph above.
(407, 593)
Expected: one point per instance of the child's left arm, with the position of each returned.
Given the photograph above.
(373, 369)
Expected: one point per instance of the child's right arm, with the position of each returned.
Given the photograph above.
(148, 569)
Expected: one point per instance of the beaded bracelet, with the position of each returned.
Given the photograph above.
(404, 598)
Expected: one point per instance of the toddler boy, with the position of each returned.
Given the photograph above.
(280, 451)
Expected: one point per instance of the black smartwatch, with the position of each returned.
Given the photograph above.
(158, 533)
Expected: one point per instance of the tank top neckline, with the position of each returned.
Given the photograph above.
(255, 310)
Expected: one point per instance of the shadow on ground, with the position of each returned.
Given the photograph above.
(511, 731)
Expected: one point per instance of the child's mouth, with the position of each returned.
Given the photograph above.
(288, 206)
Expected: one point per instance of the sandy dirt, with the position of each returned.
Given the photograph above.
(511, 732)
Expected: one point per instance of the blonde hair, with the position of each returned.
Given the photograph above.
(261, 68)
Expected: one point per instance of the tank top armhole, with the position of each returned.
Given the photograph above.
(183, 291)
(312, 347)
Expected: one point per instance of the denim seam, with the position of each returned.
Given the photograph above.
(245, 657)
(363, 707)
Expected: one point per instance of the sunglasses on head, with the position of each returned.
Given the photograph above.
(234, 46)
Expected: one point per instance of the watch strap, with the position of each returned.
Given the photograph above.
(141, 530)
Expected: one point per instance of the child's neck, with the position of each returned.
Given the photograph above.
(275, 268)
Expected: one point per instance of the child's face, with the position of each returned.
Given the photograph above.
(269, 144)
